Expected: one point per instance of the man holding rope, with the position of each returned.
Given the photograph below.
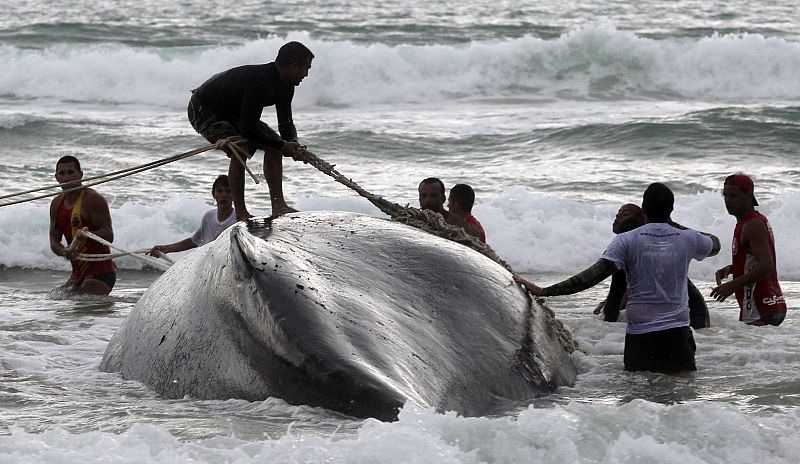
(214, 222)
(72, 212)
(230, 104)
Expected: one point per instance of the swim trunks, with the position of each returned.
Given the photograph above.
(214, 128)
(109, 279)
(667, 351)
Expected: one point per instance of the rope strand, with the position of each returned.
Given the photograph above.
(150, 261)
(124, 172)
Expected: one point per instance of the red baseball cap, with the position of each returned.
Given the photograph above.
(744, 182)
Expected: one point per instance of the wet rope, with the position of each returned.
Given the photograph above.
(433, 222)
(147, 260)
(93, 257)
(108, 177)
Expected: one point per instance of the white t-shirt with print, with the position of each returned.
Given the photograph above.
(210, 227)
(656, 260)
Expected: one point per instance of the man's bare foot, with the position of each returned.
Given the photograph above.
(281, 210)
(243, 215)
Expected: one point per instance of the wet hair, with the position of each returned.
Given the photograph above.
(69, 159)
(658, 202)
(220, 180)
(293, 52)
(434, 180)
(463, 195)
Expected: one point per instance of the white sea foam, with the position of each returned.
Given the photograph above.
(579, 433)
(534, 232)
(595, 62)
(13, 120)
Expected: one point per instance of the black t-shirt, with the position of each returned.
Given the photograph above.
(240, 94)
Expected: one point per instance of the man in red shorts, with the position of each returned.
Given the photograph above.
(72, 212)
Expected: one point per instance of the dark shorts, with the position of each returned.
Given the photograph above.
(109, 279)
(770, 319)
(668, 351)
(214, 128)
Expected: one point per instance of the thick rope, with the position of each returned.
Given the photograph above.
(434, 223)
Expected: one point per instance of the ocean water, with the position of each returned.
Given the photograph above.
(555, 113)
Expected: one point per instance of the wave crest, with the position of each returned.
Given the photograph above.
(596, 62)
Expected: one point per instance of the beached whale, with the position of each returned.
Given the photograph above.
(349, 312)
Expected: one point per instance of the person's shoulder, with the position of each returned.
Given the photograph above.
(473, 220)
(631, 234)
(94, 196)
(231, 219)
(209, 215)
(55, 204)
(264, 68)
(56, 201)
(459, 221)
(755, 224)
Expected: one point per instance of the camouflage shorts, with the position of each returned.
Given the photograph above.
(214, 128)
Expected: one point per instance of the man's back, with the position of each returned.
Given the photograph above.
(255, 86)
(656, 260)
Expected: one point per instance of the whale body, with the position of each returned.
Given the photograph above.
(344, 311)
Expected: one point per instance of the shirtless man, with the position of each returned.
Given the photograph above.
(70, 214)
(214, 222)
(755, 279)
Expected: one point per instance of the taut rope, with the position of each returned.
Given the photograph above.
(103, 178)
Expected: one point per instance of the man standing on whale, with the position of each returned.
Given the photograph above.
(230, 104)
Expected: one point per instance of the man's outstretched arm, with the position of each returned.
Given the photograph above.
(581, 281)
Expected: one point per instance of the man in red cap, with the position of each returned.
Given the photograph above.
(755, 279)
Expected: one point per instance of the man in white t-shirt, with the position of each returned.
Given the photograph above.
(656, 259)
(214, 222)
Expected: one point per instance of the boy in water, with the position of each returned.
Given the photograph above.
(214, 222)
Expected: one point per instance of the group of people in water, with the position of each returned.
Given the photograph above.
(654, 253)
(648, 260)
